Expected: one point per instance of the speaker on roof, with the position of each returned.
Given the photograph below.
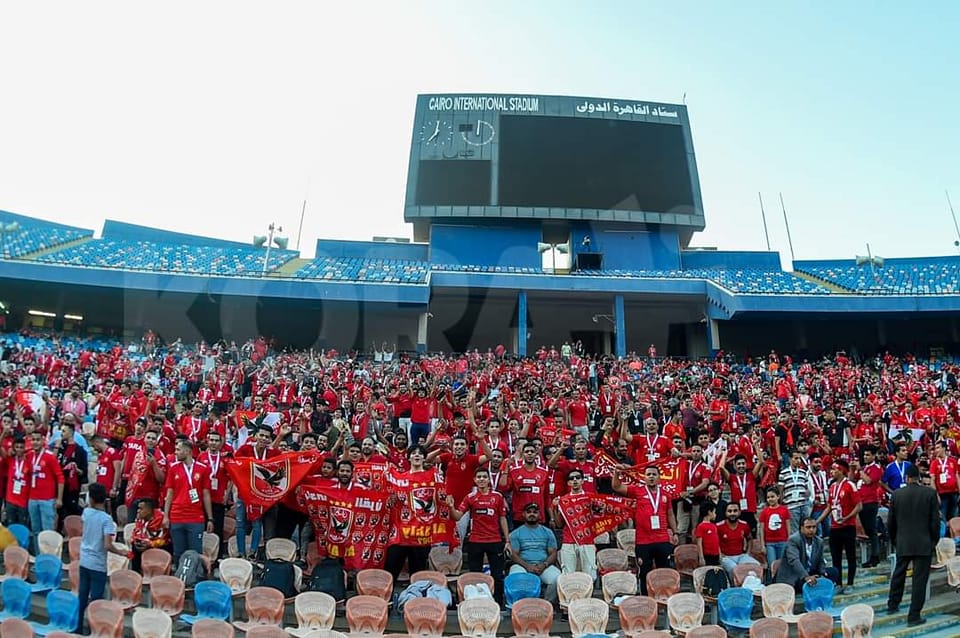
(281, 242)
(259, 240)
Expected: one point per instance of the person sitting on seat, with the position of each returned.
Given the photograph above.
(734, 535)
(802, 560)
(534, 551)
(148, 532)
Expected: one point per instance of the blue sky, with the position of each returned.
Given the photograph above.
(217, 118)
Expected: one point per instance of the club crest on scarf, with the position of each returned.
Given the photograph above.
(270, 480)
(423, 503)
(341, 521)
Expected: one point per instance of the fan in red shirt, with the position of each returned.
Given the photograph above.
(655, 523)
(17, 483)
(109, 466)
(870, 492)
(528, 484)
(579, 462)
(459, 468)
(46, 484)
(943, 469)
(219, 483)
(843, 506)
(743, 487)
(488, 528)
(147, 472)
(649, 447)
(187, 504)
(734, 534)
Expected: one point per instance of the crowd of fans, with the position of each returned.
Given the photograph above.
(767, 444)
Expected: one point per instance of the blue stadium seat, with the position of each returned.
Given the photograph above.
(213, 599)
(33, 235)
(63, 608)
(365, 270)
(177, 258)
(16, 598)
(49, 573)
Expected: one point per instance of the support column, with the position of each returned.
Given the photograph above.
(620, 323)
(422, 332)
(713, 337)
(522, 323)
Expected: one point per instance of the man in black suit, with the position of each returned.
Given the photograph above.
(802, 560)
(914, 527)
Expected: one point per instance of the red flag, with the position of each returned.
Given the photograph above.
(420, 515)
(262, 484)
(352, 524)
(369, 475)
(590, 515)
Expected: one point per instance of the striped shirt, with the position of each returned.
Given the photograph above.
(797, 487)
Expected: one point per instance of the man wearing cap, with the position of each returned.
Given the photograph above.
(843, 507)
(534, 550)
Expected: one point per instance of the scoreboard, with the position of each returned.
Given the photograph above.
(552, 158)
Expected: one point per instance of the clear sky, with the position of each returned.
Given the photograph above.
(217, 118)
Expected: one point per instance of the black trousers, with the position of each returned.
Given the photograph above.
(415, 556)
(868, 518)
(649, 556)
(219, 513)
(918, 595)
(287, 521)
(494, 553)
(844, 540)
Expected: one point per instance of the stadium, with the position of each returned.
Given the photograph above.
(537, 220)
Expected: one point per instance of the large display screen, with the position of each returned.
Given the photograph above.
(569, 162)
(453, 183)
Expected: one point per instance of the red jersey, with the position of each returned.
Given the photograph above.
(821, 492)
(131, 446)
(843, 500)
(249, 450)
(707, 531)
(421, 409)
(944, 473)
(647, 448)
(219, 479)
(459, 473)
(191, 426)
(528, 486)
(743, 491)
(106, 470)
(188, 485)
(45, 475)
(871, 493)
(143, 482)
(774, 521)
(732, 538)
(150, 532)
(653, 505)
(18, 481)
(695, 473)
(485, 512)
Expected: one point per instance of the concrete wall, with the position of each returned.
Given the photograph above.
(371, 250)
(485, 245)
(730, 259)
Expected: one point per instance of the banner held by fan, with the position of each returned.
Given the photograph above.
(350, 524)
(261, 484)
(590, 515)
(420, 513)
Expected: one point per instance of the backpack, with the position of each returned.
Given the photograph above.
(190, 569)
(327, 577)
(714, 582)
(279, 574)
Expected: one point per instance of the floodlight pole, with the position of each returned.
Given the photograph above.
(763, 216)
(266, 257)
(786, 223)
(956, 227)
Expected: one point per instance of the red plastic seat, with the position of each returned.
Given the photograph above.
(663, 583)
(105, 618)
(264, 607)
(73, 526)
(532, 617)
(637, 613)
(367, 615)
(167, 594)
(376, 582)
(425, 617)
(212, 628)
(155, 562)
(126, 588)
(16, 628)
(16, 562)
(472, 578)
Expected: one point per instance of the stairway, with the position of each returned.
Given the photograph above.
(832, 287)
(289, 268)
(52, 249)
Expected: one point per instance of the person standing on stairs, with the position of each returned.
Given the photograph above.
(914, 527)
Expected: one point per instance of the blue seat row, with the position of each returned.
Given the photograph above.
(160, 257)
(32, 235)
(395, 271)
(895, 277)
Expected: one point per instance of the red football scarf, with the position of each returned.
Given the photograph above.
(262, 484)
(370, 475)
(589, 515)
(671, 474)
(420, 515)
(350, 524)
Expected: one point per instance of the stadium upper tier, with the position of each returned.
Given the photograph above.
(388, 271)
(921, 276)
(162, 257)
(24, 235)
